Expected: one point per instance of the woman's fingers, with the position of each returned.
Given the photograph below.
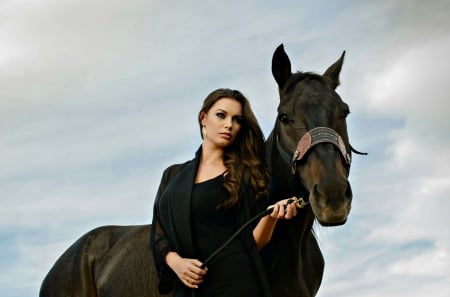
(198, 267)
(192, 273)
(191, 282)
(291, 211)
(278, 211)
(283, 210)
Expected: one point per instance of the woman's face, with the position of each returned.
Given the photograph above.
(222, 122)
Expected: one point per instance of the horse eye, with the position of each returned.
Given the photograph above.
(345, 111)
(283, 118)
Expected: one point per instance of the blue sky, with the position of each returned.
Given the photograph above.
(98, 97)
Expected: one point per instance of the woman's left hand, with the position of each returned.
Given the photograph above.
(280, 210)
(283, 210)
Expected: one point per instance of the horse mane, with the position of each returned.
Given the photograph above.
(271, 143)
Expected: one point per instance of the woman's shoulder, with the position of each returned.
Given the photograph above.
(173, 169)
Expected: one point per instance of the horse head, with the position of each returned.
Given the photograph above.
(311, 136)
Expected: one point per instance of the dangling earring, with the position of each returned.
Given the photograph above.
(204, 131)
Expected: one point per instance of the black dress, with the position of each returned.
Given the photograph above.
(231, 272)
(176, 226)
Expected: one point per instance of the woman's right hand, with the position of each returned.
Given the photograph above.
(189, 271)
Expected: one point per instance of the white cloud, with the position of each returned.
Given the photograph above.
(96, 100)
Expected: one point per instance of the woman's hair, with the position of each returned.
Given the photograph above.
(245, 157)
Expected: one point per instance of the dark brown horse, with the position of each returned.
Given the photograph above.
(309, 154)
(115, 261)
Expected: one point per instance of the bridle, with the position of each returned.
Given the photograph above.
(309, 140)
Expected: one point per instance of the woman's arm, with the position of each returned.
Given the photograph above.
(159, 243)
(169, 263)
(264, 230)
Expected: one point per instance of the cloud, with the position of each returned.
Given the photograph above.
(97, 100)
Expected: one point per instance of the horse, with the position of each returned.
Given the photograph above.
(309, 155)
(116, 261)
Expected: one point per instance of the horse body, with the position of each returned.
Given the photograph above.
(112, 261)
(115, 261)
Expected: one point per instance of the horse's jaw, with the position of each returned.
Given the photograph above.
(323, 224)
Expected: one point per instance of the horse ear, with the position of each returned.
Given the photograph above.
(332, 73)
(281, 66)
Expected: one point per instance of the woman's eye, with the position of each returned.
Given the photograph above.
(220, 115)
(238, 120)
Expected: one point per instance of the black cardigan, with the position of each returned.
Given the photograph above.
(170, 230)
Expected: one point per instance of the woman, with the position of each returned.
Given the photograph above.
(202, 202)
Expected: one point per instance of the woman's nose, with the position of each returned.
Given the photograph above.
(229, 123)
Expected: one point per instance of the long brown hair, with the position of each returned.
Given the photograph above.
(245, 157)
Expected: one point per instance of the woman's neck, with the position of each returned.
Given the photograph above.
(211, 155)
(211, 164)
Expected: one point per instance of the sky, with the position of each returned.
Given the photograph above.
(97, 98)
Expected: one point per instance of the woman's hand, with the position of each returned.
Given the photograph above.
(280, 210)
(284, 210)
(189, 271)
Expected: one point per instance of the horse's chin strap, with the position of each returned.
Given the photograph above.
(311, 138)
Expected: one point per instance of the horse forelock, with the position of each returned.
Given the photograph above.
(302, 76)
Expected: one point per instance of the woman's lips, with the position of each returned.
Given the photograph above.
(226, 135)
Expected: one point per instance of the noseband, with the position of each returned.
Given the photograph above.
(310, 139)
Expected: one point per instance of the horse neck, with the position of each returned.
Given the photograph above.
(283, 185)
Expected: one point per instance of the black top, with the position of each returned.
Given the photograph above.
(173, 230)
(231, 272)
(212, 226)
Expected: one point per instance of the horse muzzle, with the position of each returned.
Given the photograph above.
(331, 206)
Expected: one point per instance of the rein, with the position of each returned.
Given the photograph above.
(299, 203)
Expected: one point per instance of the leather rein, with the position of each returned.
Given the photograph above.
(299, 203)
